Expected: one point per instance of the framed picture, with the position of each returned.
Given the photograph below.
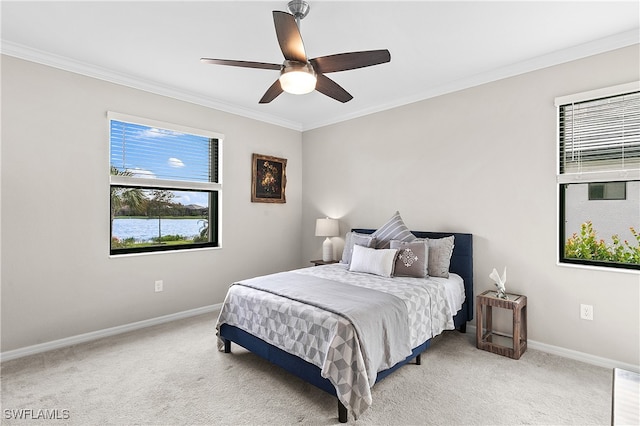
(268, 179)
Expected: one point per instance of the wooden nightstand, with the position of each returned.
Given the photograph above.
(323, 262)
(493, 341)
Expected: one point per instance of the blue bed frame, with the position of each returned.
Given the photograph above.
(461, 264)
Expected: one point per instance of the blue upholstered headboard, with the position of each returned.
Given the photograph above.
(461, 261)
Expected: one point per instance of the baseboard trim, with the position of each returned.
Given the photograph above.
(112, 331)
(571, 354)
(94, 335)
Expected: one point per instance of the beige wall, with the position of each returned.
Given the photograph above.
(482, 160)
(57, 278)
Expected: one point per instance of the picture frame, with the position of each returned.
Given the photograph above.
(268, 179)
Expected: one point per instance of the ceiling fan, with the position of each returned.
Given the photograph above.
(299, 75)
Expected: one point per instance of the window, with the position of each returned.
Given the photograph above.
(599, 177)
(165, 186)
(608, 191)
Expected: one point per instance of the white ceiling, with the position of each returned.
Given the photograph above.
(436, 46)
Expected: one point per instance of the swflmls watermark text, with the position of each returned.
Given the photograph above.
(36, 414)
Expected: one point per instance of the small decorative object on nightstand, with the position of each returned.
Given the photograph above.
(493, 341)
(500, 282)
(323, 262)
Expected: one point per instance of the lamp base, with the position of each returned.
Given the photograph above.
(327, 250)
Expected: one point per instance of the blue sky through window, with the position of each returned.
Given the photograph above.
(157, 153)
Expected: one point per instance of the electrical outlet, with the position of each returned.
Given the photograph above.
(586, 312)
(159, 285)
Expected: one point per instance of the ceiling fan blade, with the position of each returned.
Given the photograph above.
(350, 61)
(289, 37)
(332, 89)
(272, 92)
(244, 64)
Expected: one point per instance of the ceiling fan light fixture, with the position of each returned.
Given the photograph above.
(297, 78)
(298, 73)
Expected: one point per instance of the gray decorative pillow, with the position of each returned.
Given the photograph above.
(394, 229)
(440, 251)
(412, 259)
(353, 238)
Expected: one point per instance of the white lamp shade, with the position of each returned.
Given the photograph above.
(327, 227)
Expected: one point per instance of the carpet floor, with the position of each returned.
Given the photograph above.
(172, 374)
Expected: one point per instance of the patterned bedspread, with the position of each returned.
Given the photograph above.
(328, 340)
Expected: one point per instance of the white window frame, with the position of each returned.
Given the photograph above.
(167, 183)
(590, 176)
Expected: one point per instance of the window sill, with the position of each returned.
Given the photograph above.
(598, 268)
(152, 253)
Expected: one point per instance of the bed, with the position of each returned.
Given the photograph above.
(313, 340)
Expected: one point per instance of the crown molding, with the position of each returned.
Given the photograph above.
(45, 58)
(606, 44)
(617, 41)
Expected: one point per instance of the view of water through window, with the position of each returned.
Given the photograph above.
(146, 229)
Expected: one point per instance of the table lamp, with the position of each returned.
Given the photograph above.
(327, 228)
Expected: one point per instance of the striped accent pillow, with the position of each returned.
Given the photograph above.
(394, 229)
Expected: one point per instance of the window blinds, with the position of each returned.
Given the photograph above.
(148, 152)
(600, 137)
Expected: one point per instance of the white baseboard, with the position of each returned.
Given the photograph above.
(87, 337)
(571, 354)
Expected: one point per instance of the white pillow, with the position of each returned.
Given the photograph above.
(372, 261)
